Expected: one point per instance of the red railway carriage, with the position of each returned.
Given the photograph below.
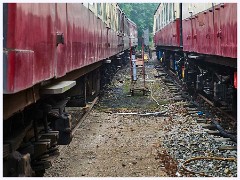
(167, 25)
(198, 42)
(43, 42)
(133, 33)
(212, 31)
(54, 54)
(206, 28)
(70, 40)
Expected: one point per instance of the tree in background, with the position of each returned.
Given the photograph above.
(141, 14)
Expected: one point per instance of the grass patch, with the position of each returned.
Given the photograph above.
(126, 86)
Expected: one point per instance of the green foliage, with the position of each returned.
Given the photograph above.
(141, 14)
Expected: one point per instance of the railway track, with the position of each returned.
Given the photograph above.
(200, 103)
(217, 124)
(188, 137)
(81, 120)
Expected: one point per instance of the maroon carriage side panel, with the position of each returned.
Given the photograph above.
(45, 41)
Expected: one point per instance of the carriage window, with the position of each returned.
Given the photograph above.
(116, 20)
(104, 12)
(99, 9)
(170, 11)
(119, 20)
(167, 13)
(112, 17)
(156, 24)
(164, 14)
(162, 19)
(159, 21)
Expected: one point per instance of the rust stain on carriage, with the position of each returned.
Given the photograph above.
(201, 23)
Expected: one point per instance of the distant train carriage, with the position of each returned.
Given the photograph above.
(198, 42)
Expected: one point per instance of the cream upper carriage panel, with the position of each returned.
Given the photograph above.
(165, 14)
(191, 9)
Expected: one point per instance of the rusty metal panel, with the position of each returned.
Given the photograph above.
(210, 34)
(163, 36)
(194, 46)
(29, 19)
(19, 72)
(23, 70)
(95, 27)
(167, 30)
(113, 45)
(187, 35)
(166, 35)
(109, 41)
(103, 38)
(43, 40)
(92, 51)
(86, 39)
(61, 49)
(70, 38)
(161, 41)
(99, 38)
(107, 34)
(84, 36)
(228, 29)
(202, 33)
(116, 42)
(176, 32)
(217, 30)
(173, 33)
(73, 36)
(169, 34)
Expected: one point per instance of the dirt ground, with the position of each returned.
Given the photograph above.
(111, 144)
(148, 135)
